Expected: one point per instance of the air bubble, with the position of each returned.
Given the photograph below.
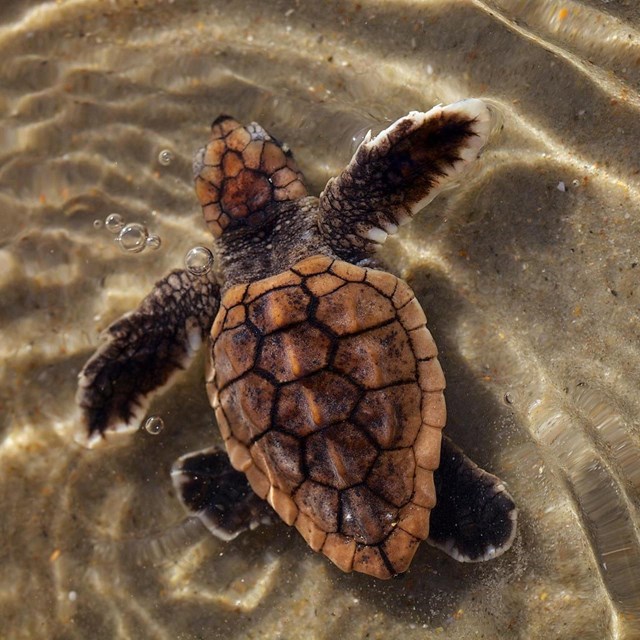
(508, 398)
(154, 425)
(198, 261)
(114, 223)
(133, 237)
(165, 157)
(153, 242)
(97, 224)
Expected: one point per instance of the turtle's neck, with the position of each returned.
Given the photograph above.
(290, 235)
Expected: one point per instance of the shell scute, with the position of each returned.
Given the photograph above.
(314, 536)
(207, 192)
(213, 152)
(434, 412)
(348, 271)
(313, 265)
(272, 158)
(320, 504)
(212, 175)
(340, 550)
(234, 352)
(391, 416)
(427, 447)
(323, 283)
(378, 357)
(278, 455)
(423, 344)
(238, 454)
(232, 164)
(283, 504)
(431, 376)
(382, 281)
(232, 297)
(424, 493)
(279, 308)
(286, 354)
(391, 476)
(414, 519)
(259, 288)
(306, 405)
(235, 316)
(251, 154)
(399, 548)
(366, 517)
(369, 560)
(258, 481)
(340, 455)
(353, 308)
(412, 315)
(231, 400)
(402, 294)
(239, 140)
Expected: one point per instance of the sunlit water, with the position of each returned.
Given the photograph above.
(528, 273)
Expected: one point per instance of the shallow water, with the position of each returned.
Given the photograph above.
(528, 273)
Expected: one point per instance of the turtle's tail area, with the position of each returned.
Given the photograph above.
(475, 517)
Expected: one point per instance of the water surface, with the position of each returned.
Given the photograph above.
(528, 273)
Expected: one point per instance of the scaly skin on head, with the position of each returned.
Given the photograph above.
(254, 202)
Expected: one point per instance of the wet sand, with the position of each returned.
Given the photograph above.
(528, 273)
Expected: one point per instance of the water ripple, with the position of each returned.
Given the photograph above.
(528, 273)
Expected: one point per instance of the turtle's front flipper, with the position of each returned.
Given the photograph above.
(474, 518)
(211, 489)
(397, 173)
(143, 351)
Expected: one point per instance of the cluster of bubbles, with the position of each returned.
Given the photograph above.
(132, 237)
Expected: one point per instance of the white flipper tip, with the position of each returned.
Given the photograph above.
(484, 121)
(111, 436)
(376, 235)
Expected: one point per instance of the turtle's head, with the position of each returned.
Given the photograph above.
(241, 173)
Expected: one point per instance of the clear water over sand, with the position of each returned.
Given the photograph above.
(528, 272)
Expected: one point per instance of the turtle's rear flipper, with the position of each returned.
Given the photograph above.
(474, 518)
(143, 351)
(211, 489)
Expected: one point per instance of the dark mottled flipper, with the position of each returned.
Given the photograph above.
(397, 173)
(211, 489)
(143, 351)
(475, 518)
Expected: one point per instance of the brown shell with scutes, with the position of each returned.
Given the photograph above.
(329, 397)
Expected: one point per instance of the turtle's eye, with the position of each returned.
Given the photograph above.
(240, 173)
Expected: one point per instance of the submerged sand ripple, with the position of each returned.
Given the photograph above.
(528, 273)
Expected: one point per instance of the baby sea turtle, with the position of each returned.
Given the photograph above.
(324, 378)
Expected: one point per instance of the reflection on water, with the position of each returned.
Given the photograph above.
(530, 289)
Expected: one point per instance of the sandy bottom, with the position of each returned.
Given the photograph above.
(528, 272)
